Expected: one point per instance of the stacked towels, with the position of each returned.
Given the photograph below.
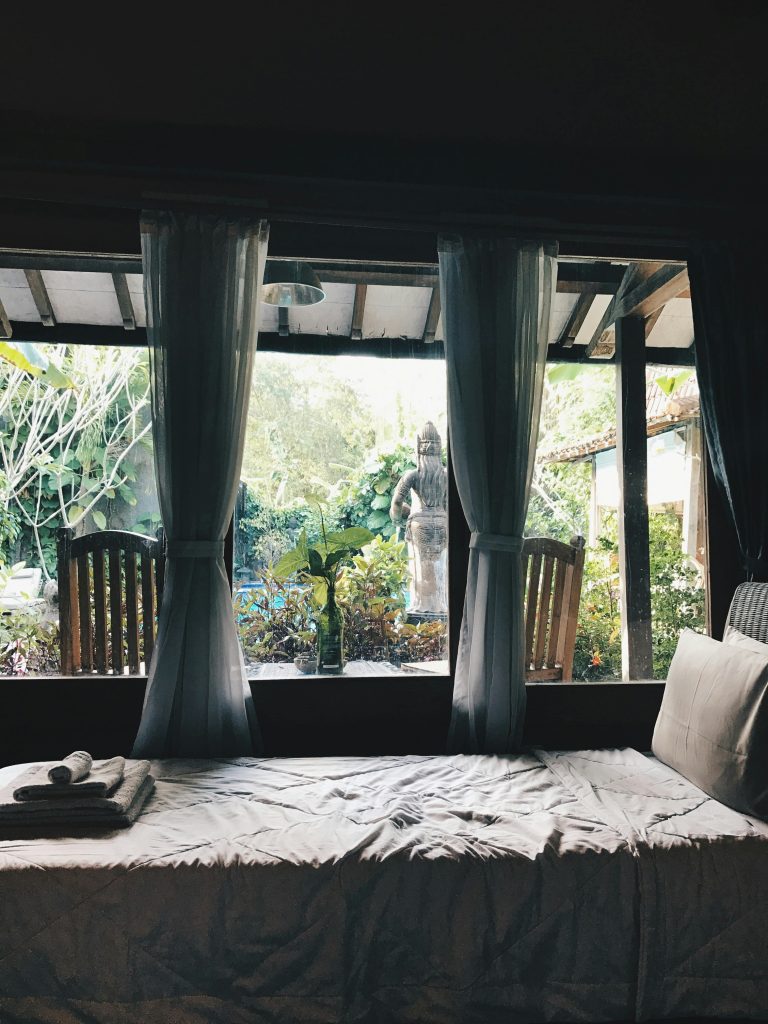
(76, 792)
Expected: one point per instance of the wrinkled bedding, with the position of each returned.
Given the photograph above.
(586, 886)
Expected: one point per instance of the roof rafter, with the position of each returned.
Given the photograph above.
(433, 317)
(358, 312)
(644, 291)
(124, 300)
(40, 297)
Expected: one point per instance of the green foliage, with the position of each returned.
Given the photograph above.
(677, 600)
(28, 643)
(321, 562)
(677, 594)
(366, 502)
(670, 384)
(372, 594)
(71, 454)
(274, 620)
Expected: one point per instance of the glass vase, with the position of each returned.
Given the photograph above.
(330, 638)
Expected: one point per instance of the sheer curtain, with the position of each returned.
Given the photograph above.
(202, 280)
(496, 298)
(731, 329)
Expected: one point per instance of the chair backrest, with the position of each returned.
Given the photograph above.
(749, 610)
(110, 586)
(553, 573)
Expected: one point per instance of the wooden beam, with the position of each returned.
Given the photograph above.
(283, 322)
(632, 465)
(358, 312)
(433, 316)
(124, 300)
(654, 293)
(75, 262)
(6, 328)
(645, 290)
(577, 316)
(40, 296)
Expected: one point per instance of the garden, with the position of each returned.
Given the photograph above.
(327, 440)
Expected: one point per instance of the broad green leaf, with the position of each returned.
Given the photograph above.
(291, 562)
(562, 372)
(25, 356)
(381, 486)
(100, 519)
(353, 537)
(670, 384)
(320, 593)
(378, 519)
(315, 562)
(381, 501)
(75, 514)
(334, 557)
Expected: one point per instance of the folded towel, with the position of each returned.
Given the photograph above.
(102, 780)
(73, 768)
(118, 810)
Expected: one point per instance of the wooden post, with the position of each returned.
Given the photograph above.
(632, 465)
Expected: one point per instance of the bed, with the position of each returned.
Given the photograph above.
(579, 886)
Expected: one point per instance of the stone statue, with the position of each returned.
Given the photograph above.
(426, 528)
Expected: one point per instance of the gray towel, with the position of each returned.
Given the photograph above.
(119, 810)
(102, 781)
(73, 768)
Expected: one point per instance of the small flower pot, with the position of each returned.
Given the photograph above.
(306, 664)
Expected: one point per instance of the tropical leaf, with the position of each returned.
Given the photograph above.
(291, 562)
(100, 519)
(378, 519)
(670, 384)
(353, 537)
(563, 372)
(315, 562)
(25, 356)
(381, 501)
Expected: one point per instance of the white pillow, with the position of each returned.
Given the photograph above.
(713, 722)
(736, 639)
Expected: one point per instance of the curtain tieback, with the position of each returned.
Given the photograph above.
(496, 542)
(195, 549)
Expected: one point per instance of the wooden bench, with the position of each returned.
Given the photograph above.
(110, 587)
(553, 573)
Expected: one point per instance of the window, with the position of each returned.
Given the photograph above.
(331, 452)
(75, 449)
(576, 486)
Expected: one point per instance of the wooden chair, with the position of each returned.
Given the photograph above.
(110, 586)
(553, 573)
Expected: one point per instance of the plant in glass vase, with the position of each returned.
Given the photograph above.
(321, 563)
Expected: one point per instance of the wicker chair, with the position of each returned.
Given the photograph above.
(553, 573)
(110, 586)
(749, 610)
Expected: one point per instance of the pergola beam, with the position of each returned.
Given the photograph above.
(358, 312)
(644, 291)
(6, 328)
(576, 318)
(283, 322)
(40, 297)
(433, 317)
(124, 300)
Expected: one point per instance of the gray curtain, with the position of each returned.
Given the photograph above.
(731, 349)
(496, 298)
(202, 280)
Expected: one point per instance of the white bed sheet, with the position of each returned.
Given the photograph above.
(587, 886)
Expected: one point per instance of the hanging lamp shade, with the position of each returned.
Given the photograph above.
(291, 283)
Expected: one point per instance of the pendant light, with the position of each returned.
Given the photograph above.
(291, 283)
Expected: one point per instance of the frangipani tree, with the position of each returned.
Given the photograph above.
(67, 433)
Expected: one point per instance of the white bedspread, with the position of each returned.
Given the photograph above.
(587, 886)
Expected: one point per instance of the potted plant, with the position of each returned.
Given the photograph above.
(321, 563)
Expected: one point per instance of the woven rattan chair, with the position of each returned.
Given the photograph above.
(553, 573)
(749, 610)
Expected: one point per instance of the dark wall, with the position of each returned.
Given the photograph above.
(47, 718)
